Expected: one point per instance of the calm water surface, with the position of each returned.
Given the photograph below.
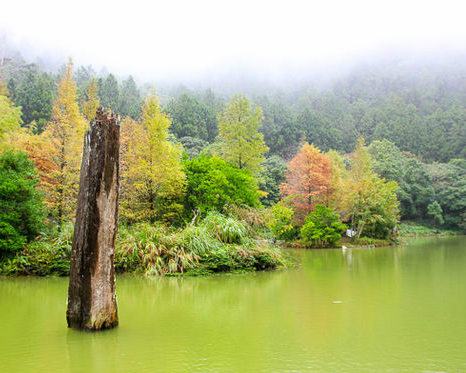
(397, 309)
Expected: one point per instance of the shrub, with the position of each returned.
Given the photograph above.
(21, 208)
(322, 227)
(214, 183)
(280, 221)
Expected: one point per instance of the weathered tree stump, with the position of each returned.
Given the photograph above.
(91, 295)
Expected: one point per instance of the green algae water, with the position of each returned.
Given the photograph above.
(396, 309)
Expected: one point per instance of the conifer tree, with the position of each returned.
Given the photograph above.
(90, 105)
(129, 99)
(109, 93)
(10, 118)
(153, 181)
(374, 206)
(243, 144)
(307, 180)
(34, 95)
(65, 131)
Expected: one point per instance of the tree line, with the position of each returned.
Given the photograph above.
(420, 108)
(199, 153)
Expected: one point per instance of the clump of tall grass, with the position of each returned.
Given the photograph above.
(253, 218)
(216, 244)
(199, 240)
(151, 249)
(224, 228)
(48, 255)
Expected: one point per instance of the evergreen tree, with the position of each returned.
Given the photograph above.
(34, 95)
(243, 144)
(281, 133)
(318, 130)
(191, 118)
(109, 93)
(130, 100)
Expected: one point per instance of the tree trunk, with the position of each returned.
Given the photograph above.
(91, 295)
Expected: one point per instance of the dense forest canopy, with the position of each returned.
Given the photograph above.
(417, 105)
(382, 141)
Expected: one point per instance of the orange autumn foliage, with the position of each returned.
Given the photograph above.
(39, 148)
(307, 181)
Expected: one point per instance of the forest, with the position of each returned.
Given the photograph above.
(211, 181)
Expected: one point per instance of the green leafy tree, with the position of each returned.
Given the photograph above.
(322, 227)
(243, 144)
(417, 184)
(434, 210)
(374, 207)
(449, 182)
(274, 175)
(214, 183)
(280, 221)
(21, 208)
(10, 118)
(415, 191)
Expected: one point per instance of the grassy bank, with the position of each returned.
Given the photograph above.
(344, 241)
(423, 229)
(217, 244)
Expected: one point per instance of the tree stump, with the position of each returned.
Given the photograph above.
(91, 294)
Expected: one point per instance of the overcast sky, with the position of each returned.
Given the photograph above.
(182, 38)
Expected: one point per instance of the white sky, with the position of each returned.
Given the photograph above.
(180, 38)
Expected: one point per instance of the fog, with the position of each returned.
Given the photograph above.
(210, 42)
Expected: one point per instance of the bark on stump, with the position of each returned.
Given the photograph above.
(91, 294)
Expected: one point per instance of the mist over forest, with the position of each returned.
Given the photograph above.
(414, 98)
(405, 107)
(166, 151)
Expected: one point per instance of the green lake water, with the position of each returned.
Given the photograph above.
(396, 309)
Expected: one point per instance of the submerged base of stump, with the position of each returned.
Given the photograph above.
(92, 301)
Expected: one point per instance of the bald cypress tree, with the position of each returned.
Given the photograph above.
(66, 132)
